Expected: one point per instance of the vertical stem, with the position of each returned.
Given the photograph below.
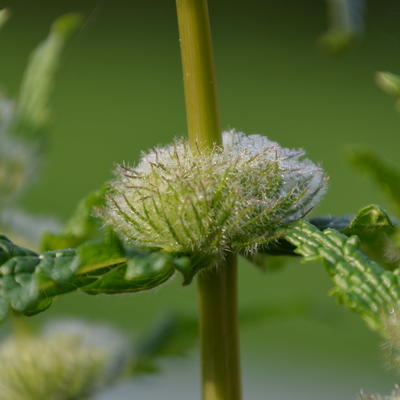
(198, 73)
(219, 332)
(217, 287)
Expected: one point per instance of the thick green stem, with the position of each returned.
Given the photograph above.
(219, 332)
(217, 286)
(198, 73)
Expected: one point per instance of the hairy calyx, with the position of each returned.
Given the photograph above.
(229, 199)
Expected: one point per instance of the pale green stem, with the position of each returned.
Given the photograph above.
(198, 73)
(217, 286)
(219, 332)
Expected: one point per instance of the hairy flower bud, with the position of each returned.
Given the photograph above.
(70, 360)
(232, 198)
(395, 395)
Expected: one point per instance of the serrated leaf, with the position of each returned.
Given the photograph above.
(371, 224)
(360, 284)
(29, 281)
(377, 233)
(32, 108)
(142, 271)
(81, 226)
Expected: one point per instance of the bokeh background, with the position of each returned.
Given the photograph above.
(119, 91)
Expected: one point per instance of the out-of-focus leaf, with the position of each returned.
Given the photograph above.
(359, 283)
(81, 226)
(346, 18)
(4, 15)
(385, 174)
(28, 280)
(32, 108)
(26, 119)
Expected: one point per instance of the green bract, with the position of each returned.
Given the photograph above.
(230, 199)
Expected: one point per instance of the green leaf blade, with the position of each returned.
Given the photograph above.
(29, 280)
(360, 284)
(32, 109)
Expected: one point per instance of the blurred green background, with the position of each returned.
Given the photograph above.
(119, 92)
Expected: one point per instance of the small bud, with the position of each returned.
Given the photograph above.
(4, 15)
(394, 396)
(388, 82)
(228, 199)
(346, 20)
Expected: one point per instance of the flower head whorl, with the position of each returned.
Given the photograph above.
(231, 198)
(68, 360)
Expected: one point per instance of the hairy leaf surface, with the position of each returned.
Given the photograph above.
(360, 284)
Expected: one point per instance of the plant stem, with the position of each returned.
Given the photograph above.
(198, 73)
(217, 287)
(219, 332)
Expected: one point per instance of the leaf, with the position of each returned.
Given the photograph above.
(81, 226)
(377, 233)
(371, 223)
(82, 223)
(32, 108)
(359, 283)
(346, 25)
(142, 271)
(20, 156)
(385, 174)
(29, 281)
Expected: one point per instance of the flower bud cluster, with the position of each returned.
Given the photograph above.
(70, 360)
(232, 198)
